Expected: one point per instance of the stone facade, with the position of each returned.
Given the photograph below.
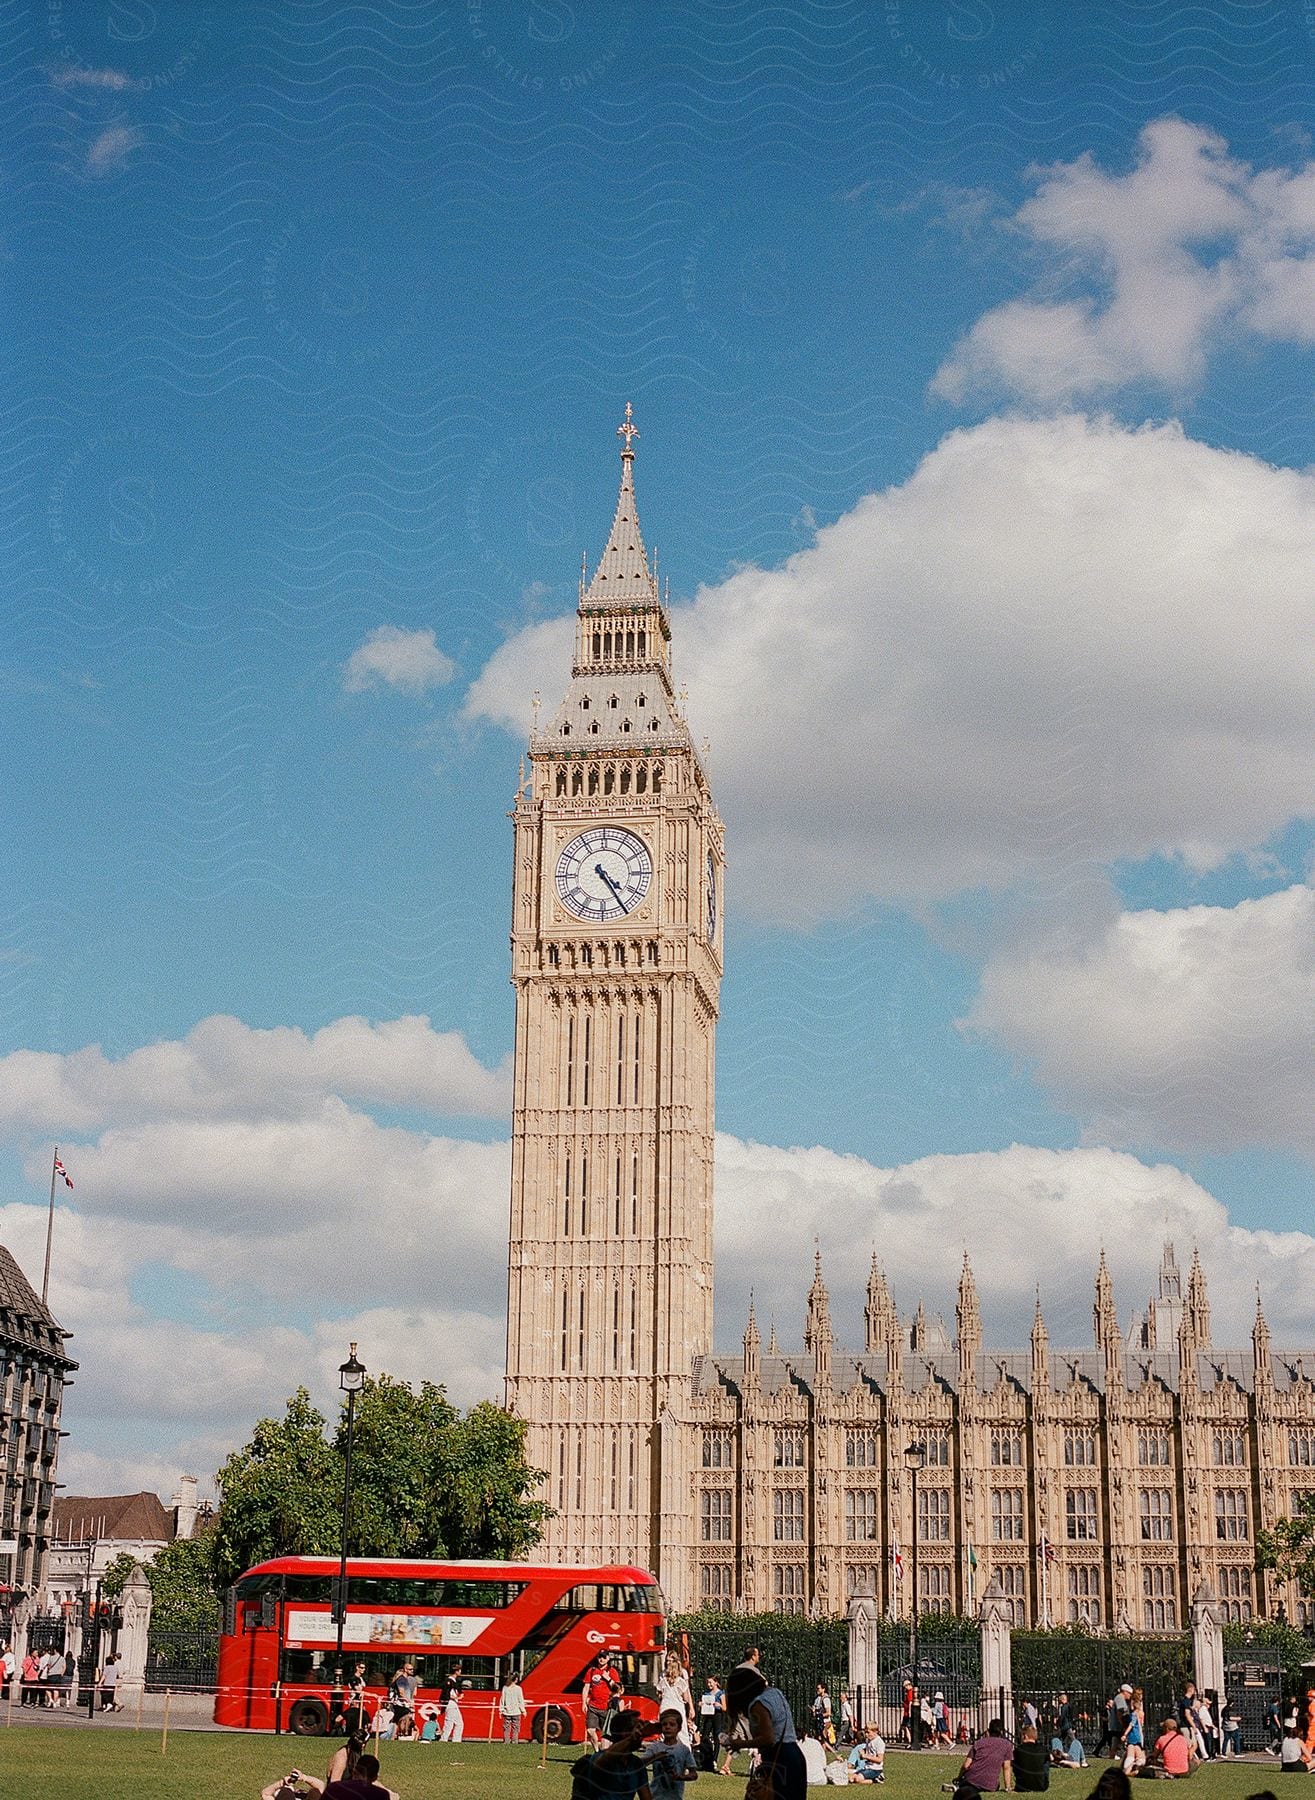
(616, 965)
(34, 1371)
(1127, 1473)
(1097, 1484)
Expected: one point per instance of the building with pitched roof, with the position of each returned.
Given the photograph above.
(34, 1371)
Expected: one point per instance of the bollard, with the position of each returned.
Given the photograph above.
(164, 1734)
(141, 1695)
(543, 1754)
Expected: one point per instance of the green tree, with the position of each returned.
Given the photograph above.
(1288, 1547)
(114, 1576)
(426, 1481)
(182, 1578)
(279, 1496)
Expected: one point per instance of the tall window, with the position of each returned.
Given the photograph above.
(861, 1515)
(934, 1515)
(715, 1587)
(1230, 1449)
(1301, 1449)
(1235, 1593)
(716, 1449)
(858, 1575)
(788, 1451)
(1080, 1449)
(1006, 1515)
(1013, 1581)
(938, 1449)
(934, 1588)
(1159, 1599)
(788, 1515)
(1153, 1449)
(1156, 1515)
(1084, 1594)
(1007, 1448)
(860, 1449)
(788, 1588)
(715, 1515)
(1080, 1516)
(1231, 1523)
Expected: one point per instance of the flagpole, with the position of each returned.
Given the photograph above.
(50, 1226)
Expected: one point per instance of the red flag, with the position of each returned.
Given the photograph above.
(61, 1170)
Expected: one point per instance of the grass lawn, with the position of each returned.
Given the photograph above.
(72, 1764)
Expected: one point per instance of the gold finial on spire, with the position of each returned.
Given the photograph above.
(627, 431)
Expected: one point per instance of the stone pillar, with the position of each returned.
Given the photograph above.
(1207, 1639)
(995, 1617)
(864, 1661)
(135, 1605)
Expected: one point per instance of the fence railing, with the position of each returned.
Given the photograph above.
(185, 1661)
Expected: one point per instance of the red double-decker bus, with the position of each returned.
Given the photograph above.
(278, 1665)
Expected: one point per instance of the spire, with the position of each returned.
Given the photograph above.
(773, 1348)
(918, 1338)
(878, 1314)
(1040, 1348)
(752, 1348)
(967, 1313)
(1198, 1302)
(1105, 1316)
(817, 1327)
(1171, 1285)
(623, 574)
(1260, 1347)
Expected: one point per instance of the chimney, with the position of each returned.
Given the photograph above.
(185, 1507)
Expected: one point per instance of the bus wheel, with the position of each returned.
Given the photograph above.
(553, 1722)
(308, 1718)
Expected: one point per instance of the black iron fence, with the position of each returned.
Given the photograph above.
(1054, 1668)
(186, 1661)
(796, 1653)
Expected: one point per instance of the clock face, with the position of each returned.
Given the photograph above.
(604, 873)
(712, 897)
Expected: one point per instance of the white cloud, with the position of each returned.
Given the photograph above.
(1189, 1028)
(226, 1069)
(408, 660)
(1058, 643)
(1025, 1215)
(1187, 245)
(112, 148)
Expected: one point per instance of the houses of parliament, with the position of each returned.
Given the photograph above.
(1099, 1484)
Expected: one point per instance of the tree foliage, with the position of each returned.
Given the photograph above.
(182, 1578)
(1288, 1546)
(114, 1576)
(426, 1481)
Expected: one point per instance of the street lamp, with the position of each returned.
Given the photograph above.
(915, 1458)
(351, 1379)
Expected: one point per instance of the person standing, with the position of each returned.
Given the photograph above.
(454, 1726)
(601, 1690)
(712, 1710)
(848, 1731)
(511, 1708)
(822, 1714)
(674, 1695)
(1134, 1736)
(55, 1673)
(771, 1733)
(402, 1698)
(670, 1761)
(109, 1684)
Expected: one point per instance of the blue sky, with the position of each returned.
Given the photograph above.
(321, 321)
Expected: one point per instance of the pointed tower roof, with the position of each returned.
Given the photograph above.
(819, 1305)
(879, 1313)
(773, 1348)
(623, 574)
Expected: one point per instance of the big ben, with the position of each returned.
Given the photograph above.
(616, 964)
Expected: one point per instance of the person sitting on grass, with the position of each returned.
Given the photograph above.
(867, 1761)
(1171, 1753)
(814, 1756)
(293, 1786)
(1031, 1764)
(363, 1785)
(988, 1767)
(1066, 1751)
(342, 1764)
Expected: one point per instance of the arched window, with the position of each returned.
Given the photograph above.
(609, 779)
(598, 646)
(657, 778)
(643, 643)
(630, 643)
(641, 779)
(566, 731)
(577, 782)
(607, 644)
(593, 729)
(561, 784)
(625, 778)
(593, 779)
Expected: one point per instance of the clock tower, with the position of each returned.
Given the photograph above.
(616, 962)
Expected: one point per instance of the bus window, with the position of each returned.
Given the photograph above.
(397, 1590)
(309, 1587)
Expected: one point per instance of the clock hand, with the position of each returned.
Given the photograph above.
(600, 870)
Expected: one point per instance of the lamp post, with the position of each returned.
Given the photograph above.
(351, 1379)
(915, 1459)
